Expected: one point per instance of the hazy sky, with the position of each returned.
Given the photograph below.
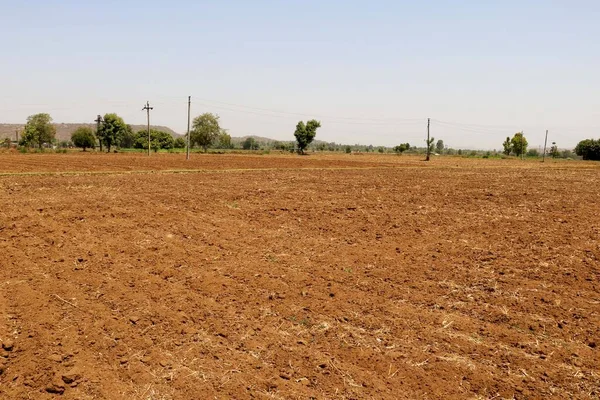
(371, 71)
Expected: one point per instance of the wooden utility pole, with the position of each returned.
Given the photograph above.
(545, 143)
(187, 154)
(148, 108)
(98, 121)
(428, 123)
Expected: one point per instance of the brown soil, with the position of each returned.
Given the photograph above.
(286, 277)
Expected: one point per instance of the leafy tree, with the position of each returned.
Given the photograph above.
(519, 144)
(112, 130)
(305, 134)
(348, 149)
(402, 148)
(566, 154)
(381, 149)
(250, 144)
(179, 143)
(38, 130)
(128, 138)
(205, 130)
(554, 150)
(439, 147)
(225, 140)
(507, 146)
(84, 137)
(158, 140)
(589, 149)
(429, 148)
(533, 153)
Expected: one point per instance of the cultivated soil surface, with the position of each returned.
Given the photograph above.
(287, 277)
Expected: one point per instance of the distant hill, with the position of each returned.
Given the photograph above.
(64, 131)
(259, 139)
(268, 141)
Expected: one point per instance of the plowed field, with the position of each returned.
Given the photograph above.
(287, 277)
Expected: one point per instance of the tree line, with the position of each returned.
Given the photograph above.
(206, 132)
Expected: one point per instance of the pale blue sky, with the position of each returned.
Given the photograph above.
(371, 71)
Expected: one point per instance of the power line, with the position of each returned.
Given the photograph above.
(331, 121)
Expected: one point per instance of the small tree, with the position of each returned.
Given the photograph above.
(128, 138)
(112, 130)
(519, 144)
(38, 130)
(305, 134)
(589, 149)
(554, 150)
(179, 143)
(158, 140)
(402, 148)
(250, 144)
(439, 146)
(507, 146)
(429, 148)
(84, 138)
(205, 130)
(225, 140)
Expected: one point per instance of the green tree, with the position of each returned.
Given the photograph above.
(519, 144)
(112, 130)
(250, 144)
(533, 153)
(128, 138)
(224, 141)
(205, 130)
(401, 148)
(429, 148)
(305, 134)
(38, 130)
(589, 149)
(554, 150)
(84, 138)
(439, 147)
(507, 146)
(158, 140)
(179, 143)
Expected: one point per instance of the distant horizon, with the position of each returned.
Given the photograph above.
(371, 73)
(317, 139)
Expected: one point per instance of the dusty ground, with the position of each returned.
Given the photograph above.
(285, 277)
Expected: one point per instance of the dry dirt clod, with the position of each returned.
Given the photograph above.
(71, 376)
(57, 386)
(55, 358)
(285, 375)
(8, 345)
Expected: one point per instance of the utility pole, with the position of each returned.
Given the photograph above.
(98, 121)
(428, 123)
(545, 142)
(148, 108)
(187, 154)
(17, 135)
